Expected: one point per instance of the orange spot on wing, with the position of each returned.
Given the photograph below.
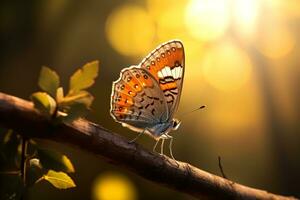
(169, 59)
(122, 99)
(135, 84)
(166, 86)
(128, 90)
(146, 80)
(120, 111)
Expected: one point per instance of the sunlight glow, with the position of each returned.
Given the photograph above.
(207, 19)
(287, 8)
(238, 110)
(130, 30)
(169, 19)
(276, 42)
(111, 186)
(226, 67)
(245, 16)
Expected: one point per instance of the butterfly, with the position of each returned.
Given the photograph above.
(146, 96)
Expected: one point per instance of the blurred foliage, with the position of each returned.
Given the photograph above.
(22, 169)
(38, 163)
(54, 160)
(72, 106)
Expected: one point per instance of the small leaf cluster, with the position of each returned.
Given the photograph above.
(39, 164)
(51, 166)
(53, 102)
(42, 164)
(10, 182)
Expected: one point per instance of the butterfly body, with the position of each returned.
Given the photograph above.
(146, 97)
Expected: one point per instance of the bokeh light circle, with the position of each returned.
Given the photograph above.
(207, 19)
(226, 67)
(112, 186)
(130, 30)
(276, 42)
(245, 18)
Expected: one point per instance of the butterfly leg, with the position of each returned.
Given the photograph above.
(162, 146)
(170, 147)
(134, 139)
(157, 141)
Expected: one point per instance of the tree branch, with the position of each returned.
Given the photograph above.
(19, 114)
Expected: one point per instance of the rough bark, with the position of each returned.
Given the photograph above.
(20, 115)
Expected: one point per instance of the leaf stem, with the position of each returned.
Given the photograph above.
(54, 115)
(17, 172)
(23, 163)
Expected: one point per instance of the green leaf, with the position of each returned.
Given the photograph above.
(48, 81)
(59, 95)
(82, 97)
(59, 180)
(43, 102)
(7, 136)
(53, 160)
(84, 78)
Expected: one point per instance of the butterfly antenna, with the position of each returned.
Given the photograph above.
(201, 107)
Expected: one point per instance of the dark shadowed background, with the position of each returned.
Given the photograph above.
(242, 62)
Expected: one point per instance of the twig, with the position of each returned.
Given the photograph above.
(20, 115)
(23, 163)
(23, 159)
(221, 167)
(10, 172)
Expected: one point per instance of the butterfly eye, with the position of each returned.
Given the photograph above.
(137, 76)
(173, 49)
(158, 59)
(152, 62)
(136, 86)
(168, 52)
(122, 87)
(174, 124)
(145, 77)
(129, 79)
(163, 55)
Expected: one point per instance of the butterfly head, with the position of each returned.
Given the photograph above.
(175, 124)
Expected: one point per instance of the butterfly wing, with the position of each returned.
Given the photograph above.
(166, 65)
(137, 101)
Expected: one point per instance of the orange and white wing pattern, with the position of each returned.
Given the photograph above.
(137, 101)
(166, 65)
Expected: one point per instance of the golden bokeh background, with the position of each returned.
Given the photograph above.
(242, 62)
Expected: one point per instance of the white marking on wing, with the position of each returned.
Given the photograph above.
(164, 72)
(168, 70)
(180, 72)
(177, 72)
(160, 75)
(174, 72)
